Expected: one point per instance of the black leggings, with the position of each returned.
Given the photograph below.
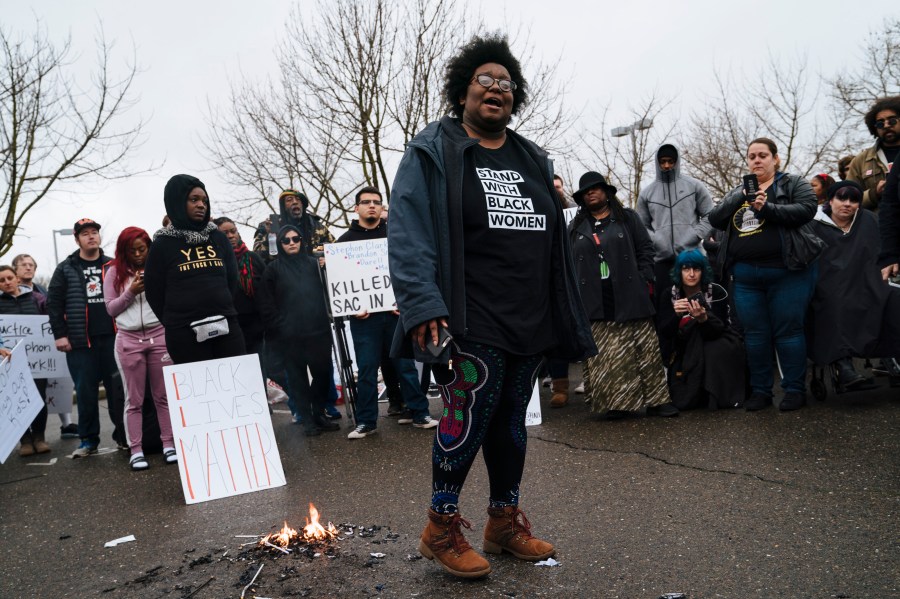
(484, 407)
(183, 346)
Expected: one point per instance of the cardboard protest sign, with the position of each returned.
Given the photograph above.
(533, 411)
(59, 395)
(223, 431)
(44, 359)
(569, 214)
(19, 400)
(358, 277)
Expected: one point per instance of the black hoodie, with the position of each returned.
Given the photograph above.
(359, 233)
(293, 299)
(191, 271)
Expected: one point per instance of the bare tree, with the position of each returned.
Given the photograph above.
(54, 129)
(355, 85)
(626, 159)
(780, 102)
(877, 76)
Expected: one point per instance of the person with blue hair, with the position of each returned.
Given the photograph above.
(706, 364)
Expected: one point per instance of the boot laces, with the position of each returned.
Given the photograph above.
(455, 536)
(519, 523)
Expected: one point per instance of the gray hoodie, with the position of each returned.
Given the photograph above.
(674, 209)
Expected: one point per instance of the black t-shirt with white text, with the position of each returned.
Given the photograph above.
(99, 321)
(509, 222)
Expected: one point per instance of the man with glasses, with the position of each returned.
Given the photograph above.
(871, 166)
(293, 209)
(373, 334)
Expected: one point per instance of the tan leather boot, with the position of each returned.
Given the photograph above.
(443, 540)
(509, 530)
(560, 388)
(27, 447)
(40, 445)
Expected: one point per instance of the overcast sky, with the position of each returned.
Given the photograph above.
(618, 52)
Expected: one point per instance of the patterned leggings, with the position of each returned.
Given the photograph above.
(484, 407)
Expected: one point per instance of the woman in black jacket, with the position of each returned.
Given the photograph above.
(769, 249)
(190, 276)
(707, 366)
(296, 318)
(16, 299)
(614, 268)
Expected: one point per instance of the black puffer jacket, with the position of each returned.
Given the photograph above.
(27, 302)
(67, 301)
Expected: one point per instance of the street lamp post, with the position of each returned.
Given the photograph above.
(60, 232)
(637, 162)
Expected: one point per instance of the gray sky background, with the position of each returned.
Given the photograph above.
(616, 52)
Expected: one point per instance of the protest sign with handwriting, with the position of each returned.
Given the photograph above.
(358, 277)
(223, 431)
(19, 400)
(44, 359)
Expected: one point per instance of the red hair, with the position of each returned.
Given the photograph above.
(124, 269)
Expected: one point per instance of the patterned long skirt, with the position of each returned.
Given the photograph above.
(627, 373)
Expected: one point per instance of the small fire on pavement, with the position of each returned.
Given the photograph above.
(310, 537)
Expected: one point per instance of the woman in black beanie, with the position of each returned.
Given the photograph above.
(189, 278)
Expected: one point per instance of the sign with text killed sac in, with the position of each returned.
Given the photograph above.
(223, 432)
(44, 359)
(20, 401)
(358, 277)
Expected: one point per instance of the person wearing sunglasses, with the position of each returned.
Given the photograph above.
(477, 249)
(853, 313)
(871, 166)
(292, 303)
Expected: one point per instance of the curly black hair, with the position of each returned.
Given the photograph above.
(482, 50)
(889, 103)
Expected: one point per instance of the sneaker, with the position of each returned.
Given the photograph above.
(546, 381)
(332, 413)
(433, 392)
(405, 418)
(69, 431)
(580, 387)
(425, 422)
(362, 431)
(84, 450)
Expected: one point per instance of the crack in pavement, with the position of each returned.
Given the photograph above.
(671, 463)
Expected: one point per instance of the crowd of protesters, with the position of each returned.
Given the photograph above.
(680, 303)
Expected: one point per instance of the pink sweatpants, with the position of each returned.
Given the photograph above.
(140, 356)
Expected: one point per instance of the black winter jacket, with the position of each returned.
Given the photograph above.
(889, 220)
(67, 301)
(629, 253)
(27, 302)
(425, 242)
(293, 299)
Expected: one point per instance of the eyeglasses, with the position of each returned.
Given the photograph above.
(291, 239)
(505, 85)
(888, 122)
(370, 202)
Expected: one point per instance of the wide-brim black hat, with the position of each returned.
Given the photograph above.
(590, 180)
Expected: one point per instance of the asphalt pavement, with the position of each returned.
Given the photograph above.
(710, 504)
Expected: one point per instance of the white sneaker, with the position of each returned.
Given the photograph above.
(426, 422)
(362, 431)
(580, 387)
(546, 381)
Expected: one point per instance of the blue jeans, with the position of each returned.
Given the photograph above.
(88, 366)
(771, 303)
(372, 337)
